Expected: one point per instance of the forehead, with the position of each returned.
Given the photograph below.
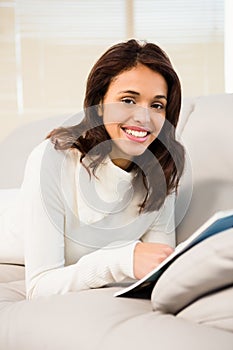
(140, 77)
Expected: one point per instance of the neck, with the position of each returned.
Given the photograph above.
(121, 163)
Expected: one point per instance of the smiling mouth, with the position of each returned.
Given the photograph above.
(135, 133)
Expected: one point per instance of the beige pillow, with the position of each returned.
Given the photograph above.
(205, 268)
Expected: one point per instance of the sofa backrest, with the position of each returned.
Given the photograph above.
(208, 138)
(15, 149)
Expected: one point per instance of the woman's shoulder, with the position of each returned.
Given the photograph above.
(45, 159)
(46, 150)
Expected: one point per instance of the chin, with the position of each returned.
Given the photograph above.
(128, 150)
(134, 152)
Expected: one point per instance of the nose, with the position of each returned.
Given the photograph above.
(141, 115)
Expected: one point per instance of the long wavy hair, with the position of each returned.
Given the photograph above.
(89, 135)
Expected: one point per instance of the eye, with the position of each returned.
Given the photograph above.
(128, 100)
(157, 106)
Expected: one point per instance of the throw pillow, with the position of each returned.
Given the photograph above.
(204, 269)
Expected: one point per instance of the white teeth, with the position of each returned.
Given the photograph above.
(136, 133)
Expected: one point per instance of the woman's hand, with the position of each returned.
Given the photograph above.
(149, 255)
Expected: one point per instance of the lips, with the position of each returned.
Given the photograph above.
(135, 133)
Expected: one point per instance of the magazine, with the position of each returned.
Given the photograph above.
(142, 288)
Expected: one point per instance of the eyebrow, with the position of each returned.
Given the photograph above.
(138, 94)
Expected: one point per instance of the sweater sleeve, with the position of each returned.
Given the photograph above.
(163, 228)
(46, 273)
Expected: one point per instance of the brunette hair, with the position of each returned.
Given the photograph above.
(89, 135)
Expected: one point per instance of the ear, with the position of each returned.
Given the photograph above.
(100, 109)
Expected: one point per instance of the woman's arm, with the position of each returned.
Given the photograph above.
(158, 242)
(163, 228)
(43, 218)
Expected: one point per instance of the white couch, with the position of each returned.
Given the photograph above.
(192, 304)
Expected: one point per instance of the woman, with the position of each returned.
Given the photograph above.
(98, 197)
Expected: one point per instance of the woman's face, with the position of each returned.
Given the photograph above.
(134, 110)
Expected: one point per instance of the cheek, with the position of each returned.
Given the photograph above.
(115, 113)
(112, 129)
(113, 116)
(158, 122)
(152, 138)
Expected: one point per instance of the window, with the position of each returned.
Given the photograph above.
(192, 32)
(48, 47)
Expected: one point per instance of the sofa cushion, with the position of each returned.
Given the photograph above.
(94, 319)
(6, 198)
(11, 239)
(215, 310)
(205, 268)
(10, 272)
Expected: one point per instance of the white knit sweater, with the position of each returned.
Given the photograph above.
(80, 231)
